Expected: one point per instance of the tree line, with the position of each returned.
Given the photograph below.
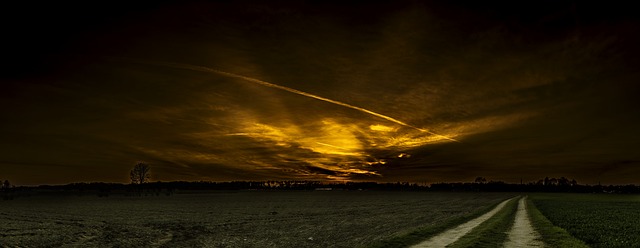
(169, 188)
(140, 185)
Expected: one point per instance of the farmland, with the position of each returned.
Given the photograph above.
(231, 218)
(597, 219)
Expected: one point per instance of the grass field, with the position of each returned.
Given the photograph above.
(551, 235)
(231, 219)
(598, 220)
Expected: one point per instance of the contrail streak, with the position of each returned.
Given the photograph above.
(302, 93)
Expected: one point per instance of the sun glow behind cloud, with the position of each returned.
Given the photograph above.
(337, 146)
(333, 145)
(289, 134)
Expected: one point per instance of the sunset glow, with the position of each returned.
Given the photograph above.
(386, 92)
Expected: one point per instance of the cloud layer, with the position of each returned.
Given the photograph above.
(526, 94)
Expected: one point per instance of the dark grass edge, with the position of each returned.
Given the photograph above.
(552, 236)
(424, 233)
(493, 232)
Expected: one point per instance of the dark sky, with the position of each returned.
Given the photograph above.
(375, 91)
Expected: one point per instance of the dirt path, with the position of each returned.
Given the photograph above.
(449, 236)
(522, 233)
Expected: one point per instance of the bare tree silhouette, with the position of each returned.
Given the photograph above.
(140, 173)
(6, 190)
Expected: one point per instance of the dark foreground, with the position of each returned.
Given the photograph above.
(230, 218)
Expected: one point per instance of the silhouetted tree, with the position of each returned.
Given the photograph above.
(140, 173)
(6, 190)
(574, 182)
(480, 180)
(563, 182)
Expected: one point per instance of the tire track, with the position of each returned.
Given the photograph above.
(522, 233)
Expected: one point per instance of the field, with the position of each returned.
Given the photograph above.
(597, 219)
(231, 219)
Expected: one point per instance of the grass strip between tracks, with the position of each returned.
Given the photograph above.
(493, 232)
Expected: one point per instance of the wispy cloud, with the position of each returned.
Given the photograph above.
(333, 95)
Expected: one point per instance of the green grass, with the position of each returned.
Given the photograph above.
(493, 232)
(597, 219)
(231, 219)
(552, 236)
(424, 233)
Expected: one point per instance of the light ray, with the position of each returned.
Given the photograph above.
(291, 90)
(333, 146)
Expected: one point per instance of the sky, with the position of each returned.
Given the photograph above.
(415, 91)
